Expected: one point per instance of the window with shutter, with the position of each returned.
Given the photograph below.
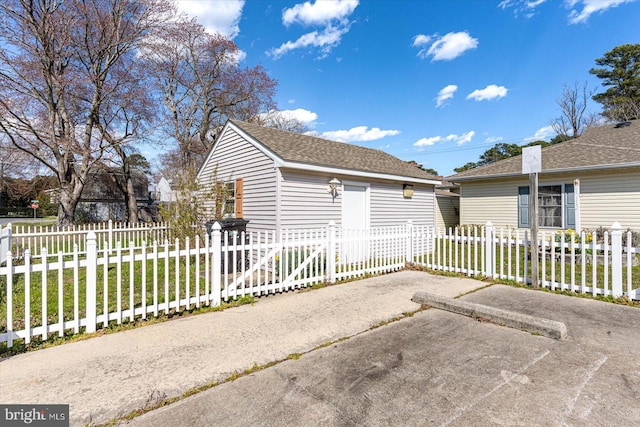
(556, 206)
(523, 207)
(239, 197)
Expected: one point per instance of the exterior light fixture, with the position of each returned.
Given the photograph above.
(333, 187)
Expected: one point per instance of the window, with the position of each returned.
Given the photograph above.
(229, 195)
(550, 206)
(229, 204)
(556, 206)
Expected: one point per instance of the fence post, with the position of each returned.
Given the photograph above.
(331, 252)
(488, 251)
(91, 281)
(5, 242)
(111, 242)
(216, 264)
(409, 241)
(616, 259)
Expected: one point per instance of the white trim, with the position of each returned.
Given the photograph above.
(278, 202)
(278, 162)
(352, 172)
(453, 178)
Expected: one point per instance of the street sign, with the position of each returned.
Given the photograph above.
(532, 165)
(531, 160)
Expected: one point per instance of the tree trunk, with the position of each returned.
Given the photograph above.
(132, 203)
(66, 206)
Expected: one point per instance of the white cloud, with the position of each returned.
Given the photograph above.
(525, 7)
(444, 48)
(215, 16)
(542, 134)
(300, 114)
(445, 93)
(326, 40)
(576, 16)
(332, 16)
(425, 142)
(319, 13)
(488, 93)
(458, 139)
(493, 139)
(590, 7)
(358, 133)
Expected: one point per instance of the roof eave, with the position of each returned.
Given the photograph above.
(546, 171)
(353, 172)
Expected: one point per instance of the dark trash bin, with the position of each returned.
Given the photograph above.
(235, 227)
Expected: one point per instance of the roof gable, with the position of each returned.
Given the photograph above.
(602, 147)
(296, 148)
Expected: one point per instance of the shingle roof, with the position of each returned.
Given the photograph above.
(603, 147)
(299, 148)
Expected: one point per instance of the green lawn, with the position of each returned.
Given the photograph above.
(556, 271)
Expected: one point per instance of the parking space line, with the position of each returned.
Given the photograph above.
(504, 382)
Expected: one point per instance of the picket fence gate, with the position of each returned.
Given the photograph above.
(109, 282)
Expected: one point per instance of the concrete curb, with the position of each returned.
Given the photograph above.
(535, 325)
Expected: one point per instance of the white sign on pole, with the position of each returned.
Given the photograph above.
(531, 160)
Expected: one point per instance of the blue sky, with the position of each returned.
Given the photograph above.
(438, 82)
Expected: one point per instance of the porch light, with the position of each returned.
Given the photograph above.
(333, 187)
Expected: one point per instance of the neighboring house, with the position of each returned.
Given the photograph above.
(585, 183)
(448, 205)
(102, 200)
(282, 180)
(164, 191)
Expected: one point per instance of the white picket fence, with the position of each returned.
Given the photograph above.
(66, 292)
(19, 239)
(94, 287)
(580, 264)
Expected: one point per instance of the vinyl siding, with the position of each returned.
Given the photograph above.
(605, 197)
(389, 207)
(490, 200)
(305, 201)
(233, 157)
(447, 212)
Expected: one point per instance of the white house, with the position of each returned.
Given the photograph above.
(585, 183)
(282, 180)
(164, 191)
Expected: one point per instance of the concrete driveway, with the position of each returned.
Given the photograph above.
(439, 368)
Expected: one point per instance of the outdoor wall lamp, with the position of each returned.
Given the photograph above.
(333, 187)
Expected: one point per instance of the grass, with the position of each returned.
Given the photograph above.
(63, 288)
(553, 271)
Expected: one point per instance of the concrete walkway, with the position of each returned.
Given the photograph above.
(112, 375)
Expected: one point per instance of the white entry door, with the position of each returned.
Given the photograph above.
(355, 207)
(355, 222)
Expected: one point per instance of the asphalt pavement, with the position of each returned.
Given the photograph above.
(358, 364)
(445, 369)
(110, 376)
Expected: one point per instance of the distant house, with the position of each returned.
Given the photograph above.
(447, 205)
(585, 183)
(164, 191)
(103, 200)
(281, 180)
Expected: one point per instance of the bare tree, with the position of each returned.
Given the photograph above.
(278, 120)
(574, 117)
(61, 80)
(203, 85)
